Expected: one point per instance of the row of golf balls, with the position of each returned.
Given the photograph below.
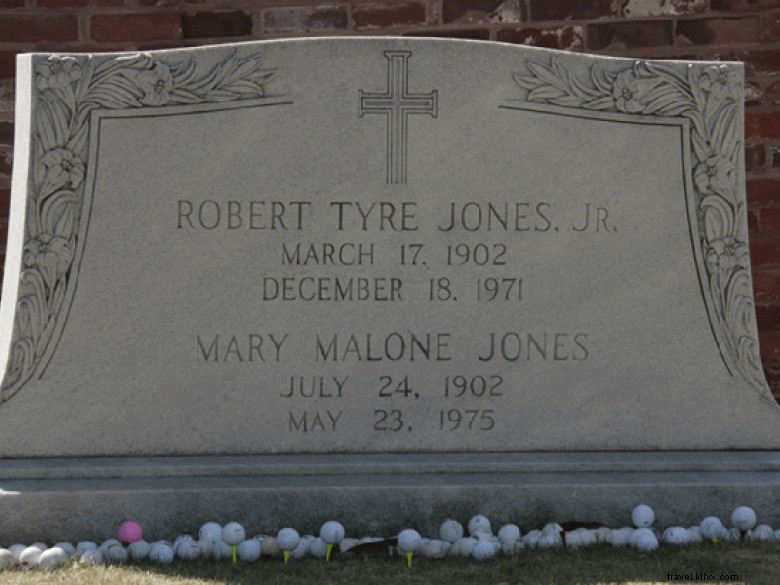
(223, 542)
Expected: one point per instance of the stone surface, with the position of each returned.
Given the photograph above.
(181, 248)
(77, 499)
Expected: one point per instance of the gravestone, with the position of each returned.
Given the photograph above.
(315, 275)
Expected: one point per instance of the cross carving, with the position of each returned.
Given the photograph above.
(396, 104)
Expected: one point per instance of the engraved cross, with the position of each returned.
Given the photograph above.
(396, 103)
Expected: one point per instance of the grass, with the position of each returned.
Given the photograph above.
(755, 563)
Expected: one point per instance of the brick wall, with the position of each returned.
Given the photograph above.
(745, 30)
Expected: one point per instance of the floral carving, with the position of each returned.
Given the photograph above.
(156, 84)
(69, 90)
(709, 97)
(57, 73)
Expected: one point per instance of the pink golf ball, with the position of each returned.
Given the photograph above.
(130, 532)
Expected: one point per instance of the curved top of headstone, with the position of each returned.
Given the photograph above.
(378, 245)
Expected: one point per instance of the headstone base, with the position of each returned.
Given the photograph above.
(76, 499)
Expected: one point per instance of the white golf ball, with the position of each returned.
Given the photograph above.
(92, 556)
(16, 550)
(509, 533)
(332, 532)
(675, 535)
(139, 550)
(712, 528)
(450, 530)
(210, 531)
(462, 547)
(115, 554)
(52, 558)
(84, 546)
(303, 547)
(761, 532)
(69, 549)
(643, 516)
(188, 549)
(409, 540)
(221, 550)
(233, 533)
(249, 550)
(318, 548)
(7, 559)
(479, 524)
(106, 544)
(288, 538)
(161, 553)
(646, 542)
(30, 556)
(743, 518)
(483, 550)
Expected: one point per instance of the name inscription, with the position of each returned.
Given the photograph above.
(452, 269)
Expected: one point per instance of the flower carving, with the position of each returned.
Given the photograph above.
(721, 82)
(157, 85)
(62, 167)
(628, 92)
(52, 255)
(712, 175)
(725, 254)
(57, 73)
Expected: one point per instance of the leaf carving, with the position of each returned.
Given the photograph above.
(68, 90)
(707, 96)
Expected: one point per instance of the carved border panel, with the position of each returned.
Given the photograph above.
(710, 98)
(69, 90)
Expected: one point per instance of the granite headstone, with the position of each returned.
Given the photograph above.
(378, 246)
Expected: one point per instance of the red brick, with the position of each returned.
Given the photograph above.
(753, 219)
(160, 3)
(298, 19)
(768, 317)
(11, 4)
(743, 5)
(26, 29)
(648, 33)
(758, 61)
(771, 26)
(754, 95)
(565, 9)
(755, 157)
(762, 125)
(136, 27)
(763, 191)
(765, 251)
(456, 33)
(7, 64)
(772, 92)
(373, 16)
(217, 24)
(769, 221)
(642, 8)
(5, 202)
(766, 285)
(4, 233)
(720, 30)
(564, 37)
(62, 3)
(770, 346)
(108, 2)
(6, 133)
(482, 11)
(5, 164)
